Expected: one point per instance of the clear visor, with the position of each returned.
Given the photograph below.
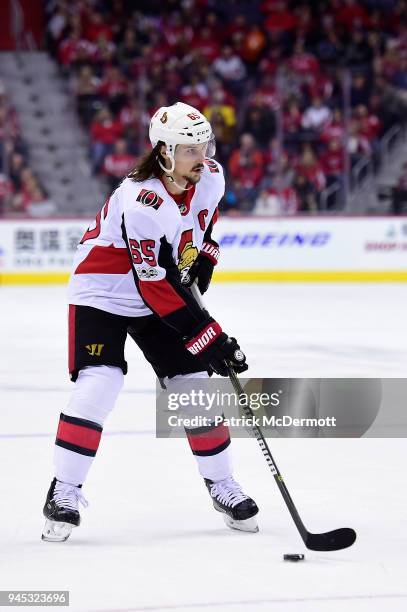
(196, 151)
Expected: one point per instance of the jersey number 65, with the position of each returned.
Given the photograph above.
(147, 253)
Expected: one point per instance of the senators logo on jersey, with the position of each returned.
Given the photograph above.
(211, 165)
(187, 252)
(149, 198)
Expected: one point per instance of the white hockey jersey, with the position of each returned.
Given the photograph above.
(131, 262)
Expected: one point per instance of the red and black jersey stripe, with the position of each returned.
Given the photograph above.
(78, 435)
(210, 440)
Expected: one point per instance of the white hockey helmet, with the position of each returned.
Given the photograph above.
(181, 124)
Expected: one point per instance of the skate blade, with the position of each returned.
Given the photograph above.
(250, 525)
(56, 531)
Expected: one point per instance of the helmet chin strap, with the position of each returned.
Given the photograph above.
(169, 171)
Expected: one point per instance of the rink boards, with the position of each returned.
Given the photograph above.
(253, 249)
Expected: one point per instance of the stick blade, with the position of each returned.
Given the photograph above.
(331, 540)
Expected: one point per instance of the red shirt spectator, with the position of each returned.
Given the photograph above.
(308, 166)
(70, 49)
(195, 94)
(206, 45)
(352, 16)
(119, 164)
(280, 19)
(114, 84)
(292, 119)
(369, 124)
(96, 27)
(332, 161)
(319, 85)
(334, 129)
(303, 63)
(246, 163)
(104, 128)
(266, 95)
(176, 32)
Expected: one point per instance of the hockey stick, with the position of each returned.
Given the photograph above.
(330, 540)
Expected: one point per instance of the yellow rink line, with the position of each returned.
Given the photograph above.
(254, 276)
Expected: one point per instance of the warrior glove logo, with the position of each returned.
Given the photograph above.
(205, 337)
(94, 350)
(202, 341)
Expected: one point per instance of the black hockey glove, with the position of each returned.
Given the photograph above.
(213, 347)
(203, 266)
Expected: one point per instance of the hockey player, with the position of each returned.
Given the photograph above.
(153, 233)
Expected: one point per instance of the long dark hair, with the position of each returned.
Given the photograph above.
(148, 166)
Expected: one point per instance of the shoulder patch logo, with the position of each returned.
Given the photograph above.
(164, 118)
(211, 165)
(149, 198)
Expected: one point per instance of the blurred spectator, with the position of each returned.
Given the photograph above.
(309, 166)
(303, 63)
(104, 130)
(231, 69)
(260, 123)
(128, 50)
(205, 45)
(279, 18)
(195, 93)
(316, 116)
(15, 167)
(333, 166)
(332, 161)
(96, 26)
(358, 145)
(118, 163)
(73, 49)
(86, 89)
(334, 129)
(360, 91)
(114, 88)
(358, 53)
(274, 201)
(351, 15)
(306, 193)
(330, 49)
(246, 168)
(222, 117)
(292, 126)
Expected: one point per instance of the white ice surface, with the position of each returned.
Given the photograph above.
(150, 539)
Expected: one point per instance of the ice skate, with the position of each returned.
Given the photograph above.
(61, 511)
(238, 509)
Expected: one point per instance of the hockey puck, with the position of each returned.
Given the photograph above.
(294, 557)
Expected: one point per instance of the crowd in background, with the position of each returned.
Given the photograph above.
(270, 75)
(20, 190)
